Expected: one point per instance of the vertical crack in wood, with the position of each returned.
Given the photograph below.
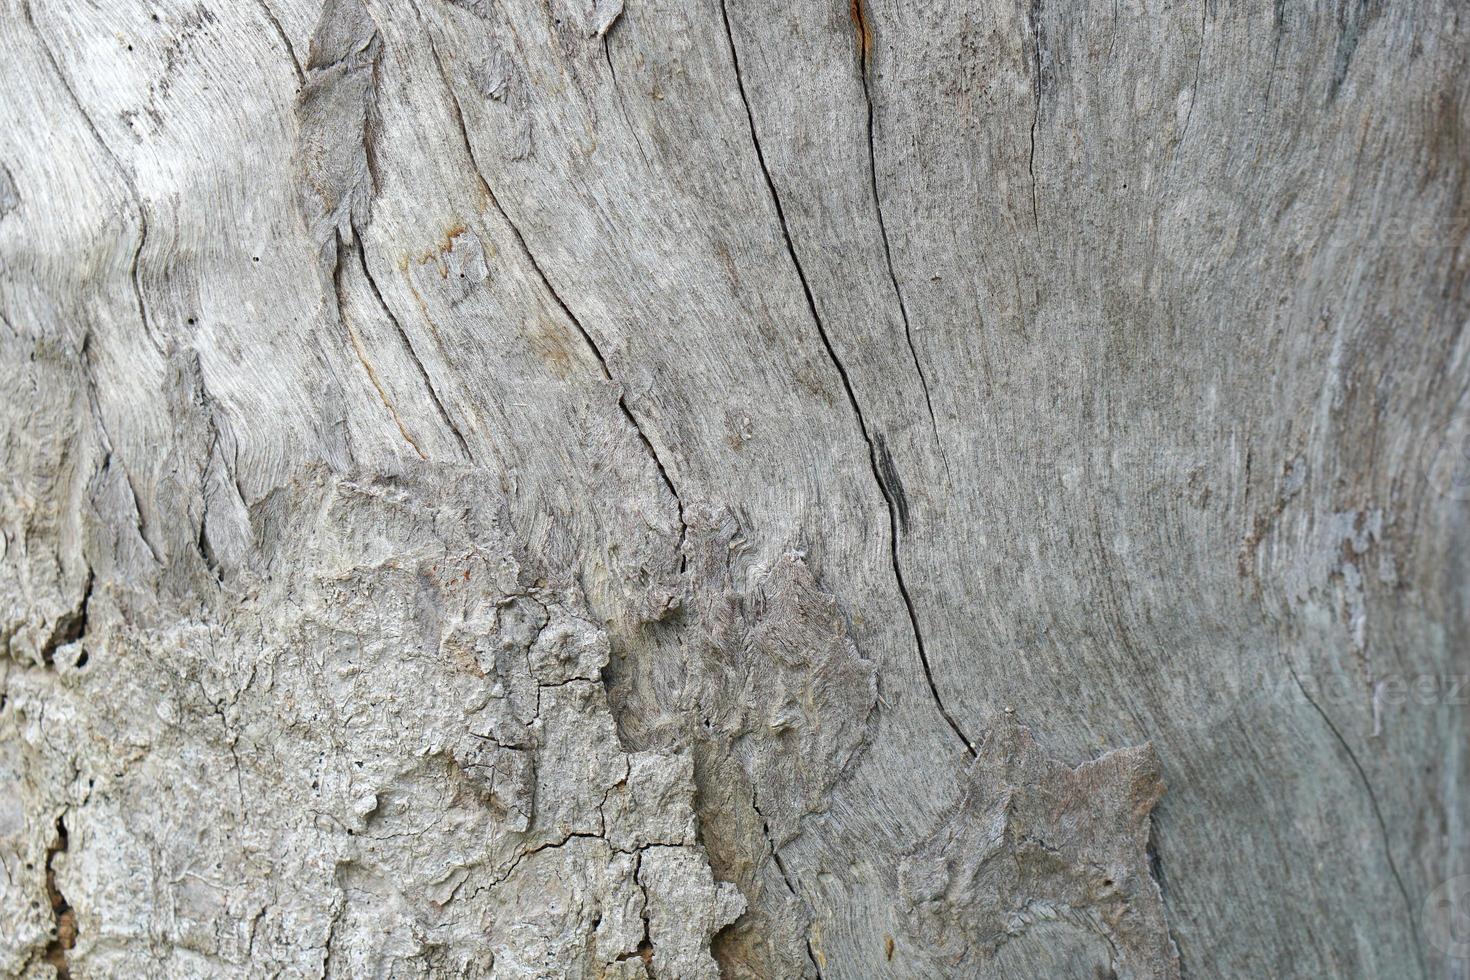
(1393, 867)
(133, 275)
(275, 23)
(367, 366)
(1156, 872)
(1199, 57)
(408, 346)
(851, 396)
(64, 927)
(785, 877)
(458, 112)
(1034, 18)
(865, 49)
(612, 74)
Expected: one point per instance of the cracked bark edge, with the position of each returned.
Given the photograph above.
(64, 925)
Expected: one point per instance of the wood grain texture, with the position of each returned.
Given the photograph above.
(734, 488)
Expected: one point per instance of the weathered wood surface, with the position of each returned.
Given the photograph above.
(771, 489)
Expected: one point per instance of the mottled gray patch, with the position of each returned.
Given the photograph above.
(1034, 840)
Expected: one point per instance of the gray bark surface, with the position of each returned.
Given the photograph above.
(734, 488)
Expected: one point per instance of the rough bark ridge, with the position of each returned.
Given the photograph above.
(730, 487)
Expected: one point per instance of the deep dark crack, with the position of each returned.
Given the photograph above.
(70, 626)
(865, 52)
(893, 509)
(64, 929)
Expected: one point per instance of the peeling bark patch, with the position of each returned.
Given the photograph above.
(686, 907)
(781, 678)
(446, 788)
(1032, 840)
(464, 679)
(337, 117)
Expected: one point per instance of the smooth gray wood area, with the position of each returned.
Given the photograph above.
(830, 488)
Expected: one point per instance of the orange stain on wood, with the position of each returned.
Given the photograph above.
(548, 345)
(442, 248)
(864, 29)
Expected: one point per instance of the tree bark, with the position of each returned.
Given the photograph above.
(745, 488)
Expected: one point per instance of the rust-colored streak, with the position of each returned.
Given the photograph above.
(442, 248)
(864, 29)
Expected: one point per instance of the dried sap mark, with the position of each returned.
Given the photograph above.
(462, 261)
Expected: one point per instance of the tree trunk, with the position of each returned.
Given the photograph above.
(745, 488)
